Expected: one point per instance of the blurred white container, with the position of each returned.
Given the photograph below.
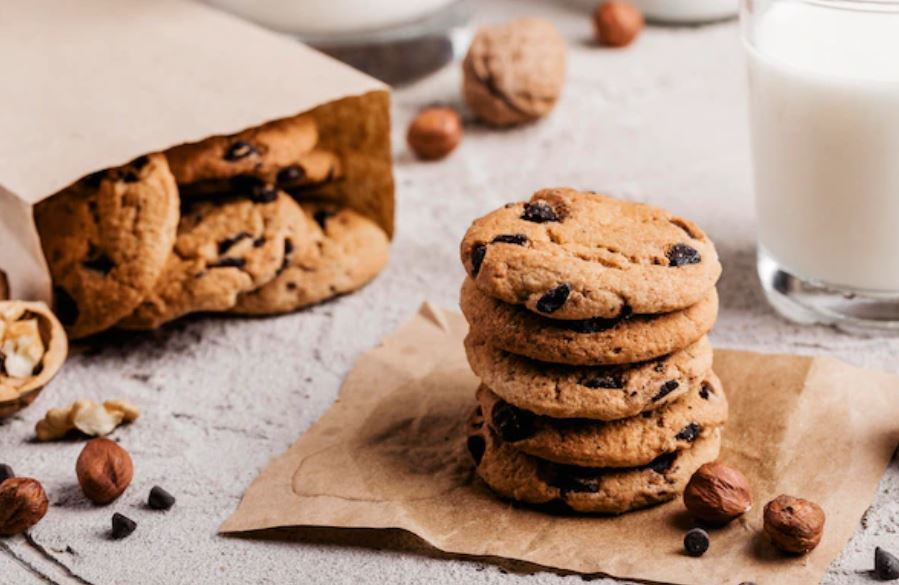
(314, 18)
(679, 11)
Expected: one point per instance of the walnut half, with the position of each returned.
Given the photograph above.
(33, 346)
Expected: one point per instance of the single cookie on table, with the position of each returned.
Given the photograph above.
(594, 392)
(629, 442)
(258, 151)
(309, 170)
(106, 240)
(349, 251)
(224, 248)
(625, 340)
(525, 478)
(575, 255)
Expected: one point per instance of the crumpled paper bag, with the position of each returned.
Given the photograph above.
(391, 453)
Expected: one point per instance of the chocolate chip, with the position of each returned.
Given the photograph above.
(681, 255)
(130, 176)
(64, 306)
(291, 286)
(553, 299)
(663, 462)
(539, 212)
(100, 263)
(477, 258)
(569, 478)
(6, 472)
(666, 389)
(290, 174)
(122, 526)
(93, 180)
(229, 263)
(321, 217)
(513, 424)
(264, 194)
(597, 324)
(705, 390)
(160, 499)
(140, 162)
(689, 433)
(288, 252)
(659, 367)
(696, 542)
(259, 242)
(610, 381)
(516, 239)
(476, 446)
(228, 243)
(239, 149)
(886, 566)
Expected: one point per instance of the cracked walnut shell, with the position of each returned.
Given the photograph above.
(33, 346)
(514, 72)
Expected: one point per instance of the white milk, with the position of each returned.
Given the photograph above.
(824, 87)
(324, 17)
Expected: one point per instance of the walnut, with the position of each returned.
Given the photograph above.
(96, 420)
(794, 525)
(514, 72)
(33, 347)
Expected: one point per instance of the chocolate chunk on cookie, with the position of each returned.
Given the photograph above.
(629, 442)
(349, 251)
(583, 255)
(106, 240)
(518, 476)
(600, 393)
(631, 339)
(224, 248)
(259, 151)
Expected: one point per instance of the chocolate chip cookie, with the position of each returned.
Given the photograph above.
(525, 478)
(568, 254)
(349, 251)
(601, 393)
(258, 151)
(106, 240)
(223, 248)
(309, 170)
(629, 442)
(623, 340)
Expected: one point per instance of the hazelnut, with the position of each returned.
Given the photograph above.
(794, 525)
(434, 133)
(23, 503)
(104, 470)
(617, 23)
(717, 493)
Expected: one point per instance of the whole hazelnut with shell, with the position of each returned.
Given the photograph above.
(23, 503)
(104, 470)
(617, 23)
(717, 493)
(794, 525)
(434, 133)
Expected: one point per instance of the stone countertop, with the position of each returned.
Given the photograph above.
(663, 121)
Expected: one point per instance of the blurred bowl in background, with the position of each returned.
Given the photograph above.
(679, 11)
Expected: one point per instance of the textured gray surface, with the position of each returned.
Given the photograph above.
(662, 122)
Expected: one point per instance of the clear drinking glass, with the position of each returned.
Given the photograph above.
(824, 115)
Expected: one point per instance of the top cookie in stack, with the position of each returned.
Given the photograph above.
(588, 318)
(230, 223)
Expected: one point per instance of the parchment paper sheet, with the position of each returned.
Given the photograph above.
(390, 454)
(93, 84)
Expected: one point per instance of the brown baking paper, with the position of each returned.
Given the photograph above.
(93, 84)
(390, 453)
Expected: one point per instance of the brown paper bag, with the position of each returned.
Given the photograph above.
(390, 454)
(93, 84)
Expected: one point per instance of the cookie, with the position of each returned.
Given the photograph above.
(518, 476)
(257, 151)
(309, 170)
(514, 72)
(349, 251)
(624, 340)
(601, 393)
(568, 254)
(223, 248)
(629, 442)
(106, 240)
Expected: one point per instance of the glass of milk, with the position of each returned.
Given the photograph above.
(824, 110)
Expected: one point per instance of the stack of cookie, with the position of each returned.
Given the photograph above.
(231, 223)
(588, 318)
